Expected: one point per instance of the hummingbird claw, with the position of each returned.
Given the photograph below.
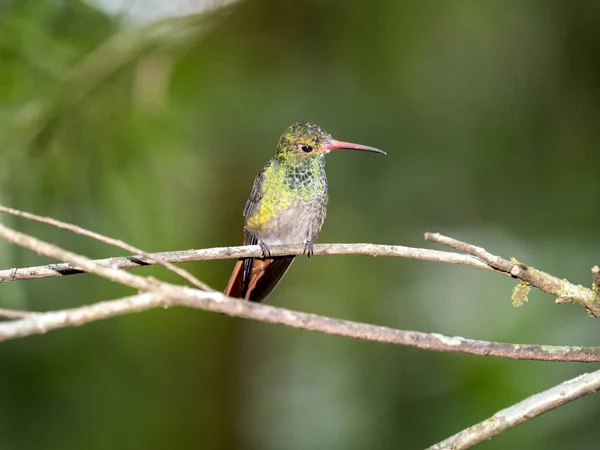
(308, 248)
(266, 253)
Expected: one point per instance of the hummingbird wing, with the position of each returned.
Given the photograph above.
(253, 279)
(256, 194)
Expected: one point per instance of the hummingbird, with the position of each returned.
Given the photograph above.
(287, 205)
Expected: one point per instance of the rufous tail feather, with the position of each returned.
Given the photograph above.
(253, 279)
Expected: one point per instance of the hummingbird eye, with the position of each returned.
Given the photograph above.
(306, 148)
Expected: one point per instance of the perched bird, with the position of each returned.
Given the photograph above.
(287, 206)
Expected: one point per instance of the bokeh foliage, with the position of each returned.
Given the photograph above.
(153, 134)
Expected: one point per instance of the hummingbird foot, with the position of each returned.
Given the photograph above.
(266, 253)
(308, 248)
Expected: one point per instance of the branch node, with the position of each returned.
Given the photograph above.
(518, 269)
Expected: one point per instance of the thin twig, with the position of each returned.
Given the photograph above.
(107, 240)
(564, 291)
(54, 251)
(14, 313)
(166, 294)
(523, 411)
(58, 270)
(596, 279)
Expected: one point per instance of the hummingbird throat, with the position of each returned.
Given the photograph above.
(305, 176)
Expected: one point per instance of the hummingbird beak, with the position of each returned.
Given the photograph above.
(341, 145)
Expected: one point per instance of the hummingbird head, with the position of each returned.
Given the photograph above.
(306, 140)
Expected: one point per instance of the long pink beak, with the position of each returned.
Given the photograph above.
(341, 145)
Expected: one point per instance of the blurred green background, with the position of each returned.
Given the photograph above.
(153, 132)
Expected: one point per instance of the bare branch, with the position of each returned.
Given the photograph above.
(166, 294)
(41, 323)
(107, 240)
(476, 257)
(249, 251)
(523, 411)
(564, 291)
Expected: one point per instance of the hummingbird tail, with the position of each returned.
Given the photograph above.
(253, 279)
(265, 275)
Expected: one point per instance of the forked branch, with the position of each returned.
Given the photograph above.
(166, 294)
(563, 290)
(154, 293)
(156, 259)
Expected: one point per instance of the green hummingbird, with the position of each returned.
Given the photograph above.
(287, 205)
